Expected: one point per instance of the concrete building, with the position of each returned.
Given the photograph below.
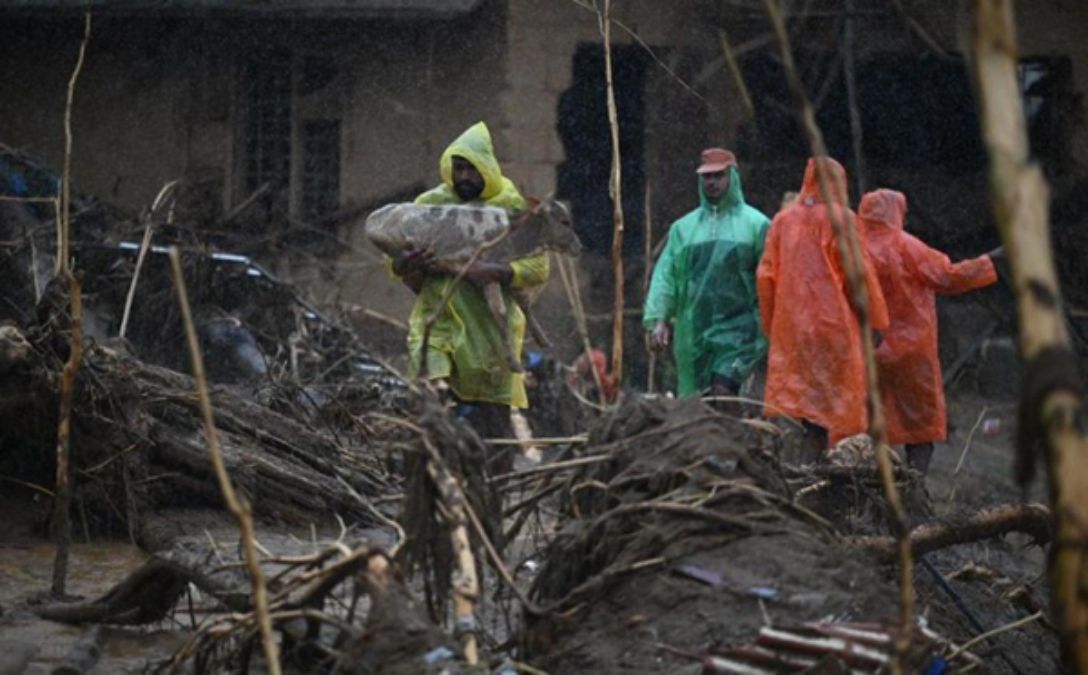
(330, 104)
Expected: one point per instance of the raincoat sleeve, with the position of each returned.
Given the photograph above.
(761, 237)
(661, 299)
(766, 276)
(945, 276)
(531, 271)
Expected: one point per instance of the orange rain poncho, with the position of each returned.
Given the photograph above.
(911, 274)
(815, 368)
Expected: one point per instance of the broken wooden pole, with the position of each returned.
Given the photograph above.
(466, 586)
(1052, 414)
(647, 252)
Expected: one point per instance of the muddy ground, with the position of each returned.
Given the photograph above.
(656, 621)
(653, 621)
(646, 619)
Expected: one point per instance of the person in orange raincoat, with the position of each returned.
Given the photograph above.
(815, 367)
(911, 274)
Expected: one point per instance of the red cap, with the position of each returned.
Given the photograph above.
(715, 160)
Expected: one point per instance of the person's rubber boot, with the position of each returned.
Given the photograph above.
(919, 456)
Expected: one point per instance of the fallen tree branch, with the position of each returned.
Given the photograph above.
(1030, 519)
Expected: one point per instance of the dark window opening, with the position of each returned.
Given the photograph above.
(583, 127)
(1050, 108)
(267, 141)
(317, 71)
(320, 167)
(916, 112)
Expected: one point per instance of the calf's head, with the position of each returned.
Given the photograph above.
(552, 221)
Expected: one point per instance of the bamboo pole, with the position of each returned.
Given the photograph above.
(238, 507)
(615, 191)
(849, 246)
(849, 68)
(1052, 414)
(466, 586)
(145, 246)
(62, 527)
(648, 258)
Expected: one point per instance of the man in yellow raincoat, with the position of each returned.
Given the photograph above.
(466, 348)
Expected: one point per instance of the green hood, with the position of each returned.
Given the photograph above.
(734, 194)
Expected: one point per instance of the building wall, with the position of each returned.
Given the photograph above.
(129, 135)
(160, 99)
(543, 38)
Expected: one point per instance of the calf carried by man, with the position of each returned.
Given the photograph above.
(454, 235)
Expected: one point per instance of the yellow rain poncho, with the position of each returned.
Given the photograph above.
(466, 347)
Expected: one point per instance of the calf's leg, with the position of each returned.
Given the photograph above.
(530, 320)
(495, 302)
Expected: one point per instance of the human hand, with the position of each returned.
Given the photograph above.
(659, 337)
(413, 260)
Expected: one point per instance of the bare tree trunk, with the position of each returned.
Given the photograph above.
(1052, 415)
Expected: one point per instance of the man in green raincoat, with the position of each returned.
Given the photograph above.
(466, 348)
(704, 285)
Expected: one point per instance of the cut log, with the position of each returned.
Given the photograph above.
(1031, 519)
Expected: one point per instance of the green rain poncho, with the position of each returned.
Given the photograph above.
(705, 284)
(465, 346)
